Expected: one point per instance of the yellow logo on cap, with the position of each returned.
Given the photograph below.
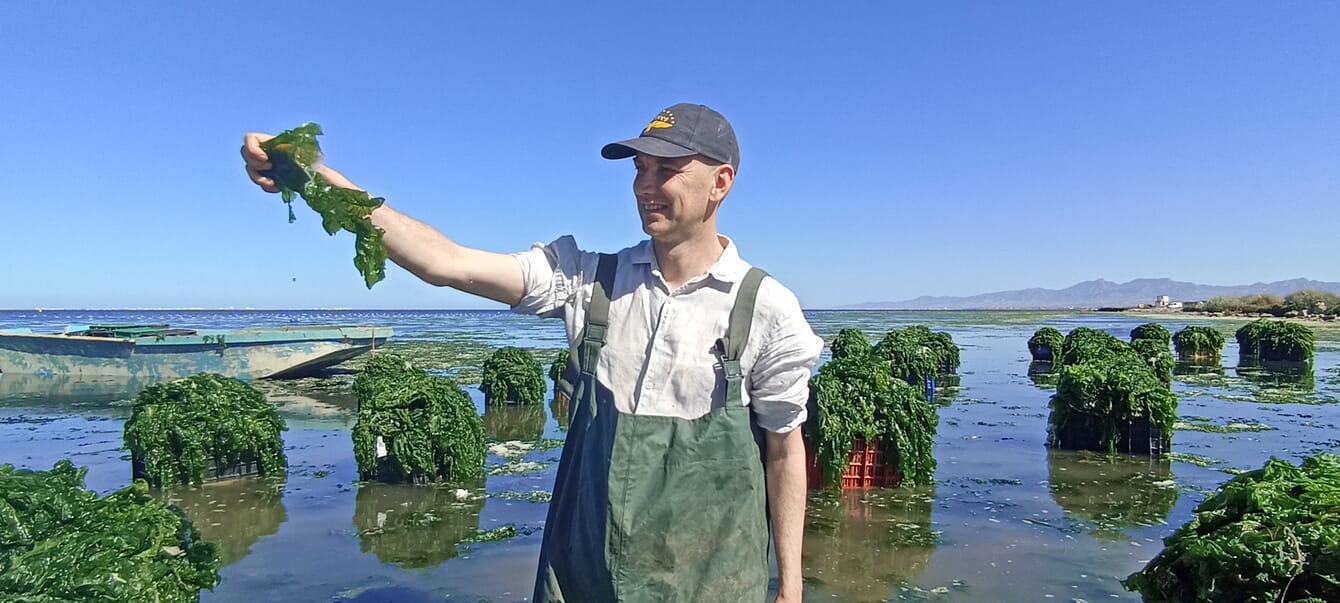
(665, 120)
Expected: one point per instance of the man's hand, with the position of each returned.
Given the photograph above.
(413, 245)
(257, 161)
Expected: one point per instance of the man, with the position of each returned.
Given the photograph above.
(688, 381)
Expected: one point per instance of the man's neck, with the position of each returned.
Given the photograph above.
(682, 262)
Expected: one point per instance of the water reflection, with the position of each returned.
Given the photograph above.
(99, 395)
(233, 514)
(1197, 369)
(560, 409)
(505, 422)
(414, 526)
(1300, 377)
(1114, 492)
(861, 544)
(337, 406)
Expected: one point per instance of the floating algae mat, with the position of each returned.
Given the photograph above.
(1233, 427)
(61, 542)
(293, 155)
(1267, 535)
(203, 426)
(414, 427)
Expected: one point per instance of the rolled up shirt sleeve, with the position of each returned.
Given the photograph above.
(550, 276)
(779, 385)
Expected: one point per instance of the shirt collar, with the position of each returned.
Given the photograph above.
(729, 268)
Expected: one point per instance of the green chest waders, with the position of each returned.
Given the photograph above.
(656, 508)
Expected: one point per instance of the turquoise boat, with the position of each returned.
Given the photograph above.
(155, 352)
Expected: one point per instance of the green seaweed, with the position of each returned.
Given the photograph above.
(856, 397)
(1084, 344)
(1266, 535)
(1047, 338)
(426, 425)
(559, 365)
(177, 430)
(915, 353)
(1199, 344)
(1158, 357)
(294, 155)
(1276, 340)
(512, 376)
(1152, 330)
(1112, 391)
(60, 542)
(850, 342)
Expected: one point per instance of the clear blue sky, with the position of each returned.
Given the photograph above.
(888, 150)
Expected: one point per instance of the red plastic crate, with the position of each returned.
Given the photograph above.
(865, 468)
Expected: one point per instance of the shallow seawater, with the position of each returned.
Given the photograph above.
(1006, 520)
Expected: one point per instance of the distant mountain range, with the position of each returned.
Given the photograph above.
(1096, 294)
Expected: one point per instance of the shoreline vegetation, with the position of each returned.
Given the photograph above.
(1308, 304)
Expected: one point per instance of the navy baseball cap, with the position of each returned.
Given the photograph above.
(680, 131)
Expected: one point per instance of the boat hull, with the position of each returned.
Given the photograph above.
(245, 354)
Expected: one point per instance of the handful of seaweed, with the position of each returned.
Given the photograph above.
(60, 542)
(293, 155)
(413, 426)
(512, 376)
(1267, 535)
(177, 429)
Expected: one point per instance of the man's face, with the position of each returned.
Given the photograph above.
(676, 197)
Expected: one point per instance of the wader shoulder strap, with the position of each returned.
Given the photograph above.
(737, 334)
(598, 314)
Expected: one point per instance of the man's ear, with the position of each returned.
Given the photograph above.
(723, 178)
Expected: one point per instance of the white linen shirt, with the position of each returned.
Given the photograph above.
(659, 356)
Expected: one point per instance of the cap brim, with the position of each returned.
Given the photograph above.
(645, 145)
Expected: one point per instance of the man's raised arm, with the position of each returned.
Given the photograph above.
(417, 247)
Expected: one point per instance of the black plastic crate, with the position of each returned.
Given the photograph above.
(1084, 432)
(247, 467)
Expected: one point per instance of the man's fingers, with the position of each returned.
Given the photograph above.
(266, 184)
(251, 148)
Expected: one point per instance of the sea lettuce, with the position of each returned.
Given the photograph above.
(60, 542)
(294, 155)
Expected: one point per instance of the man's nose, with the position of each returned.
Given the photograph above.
(643, 185)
